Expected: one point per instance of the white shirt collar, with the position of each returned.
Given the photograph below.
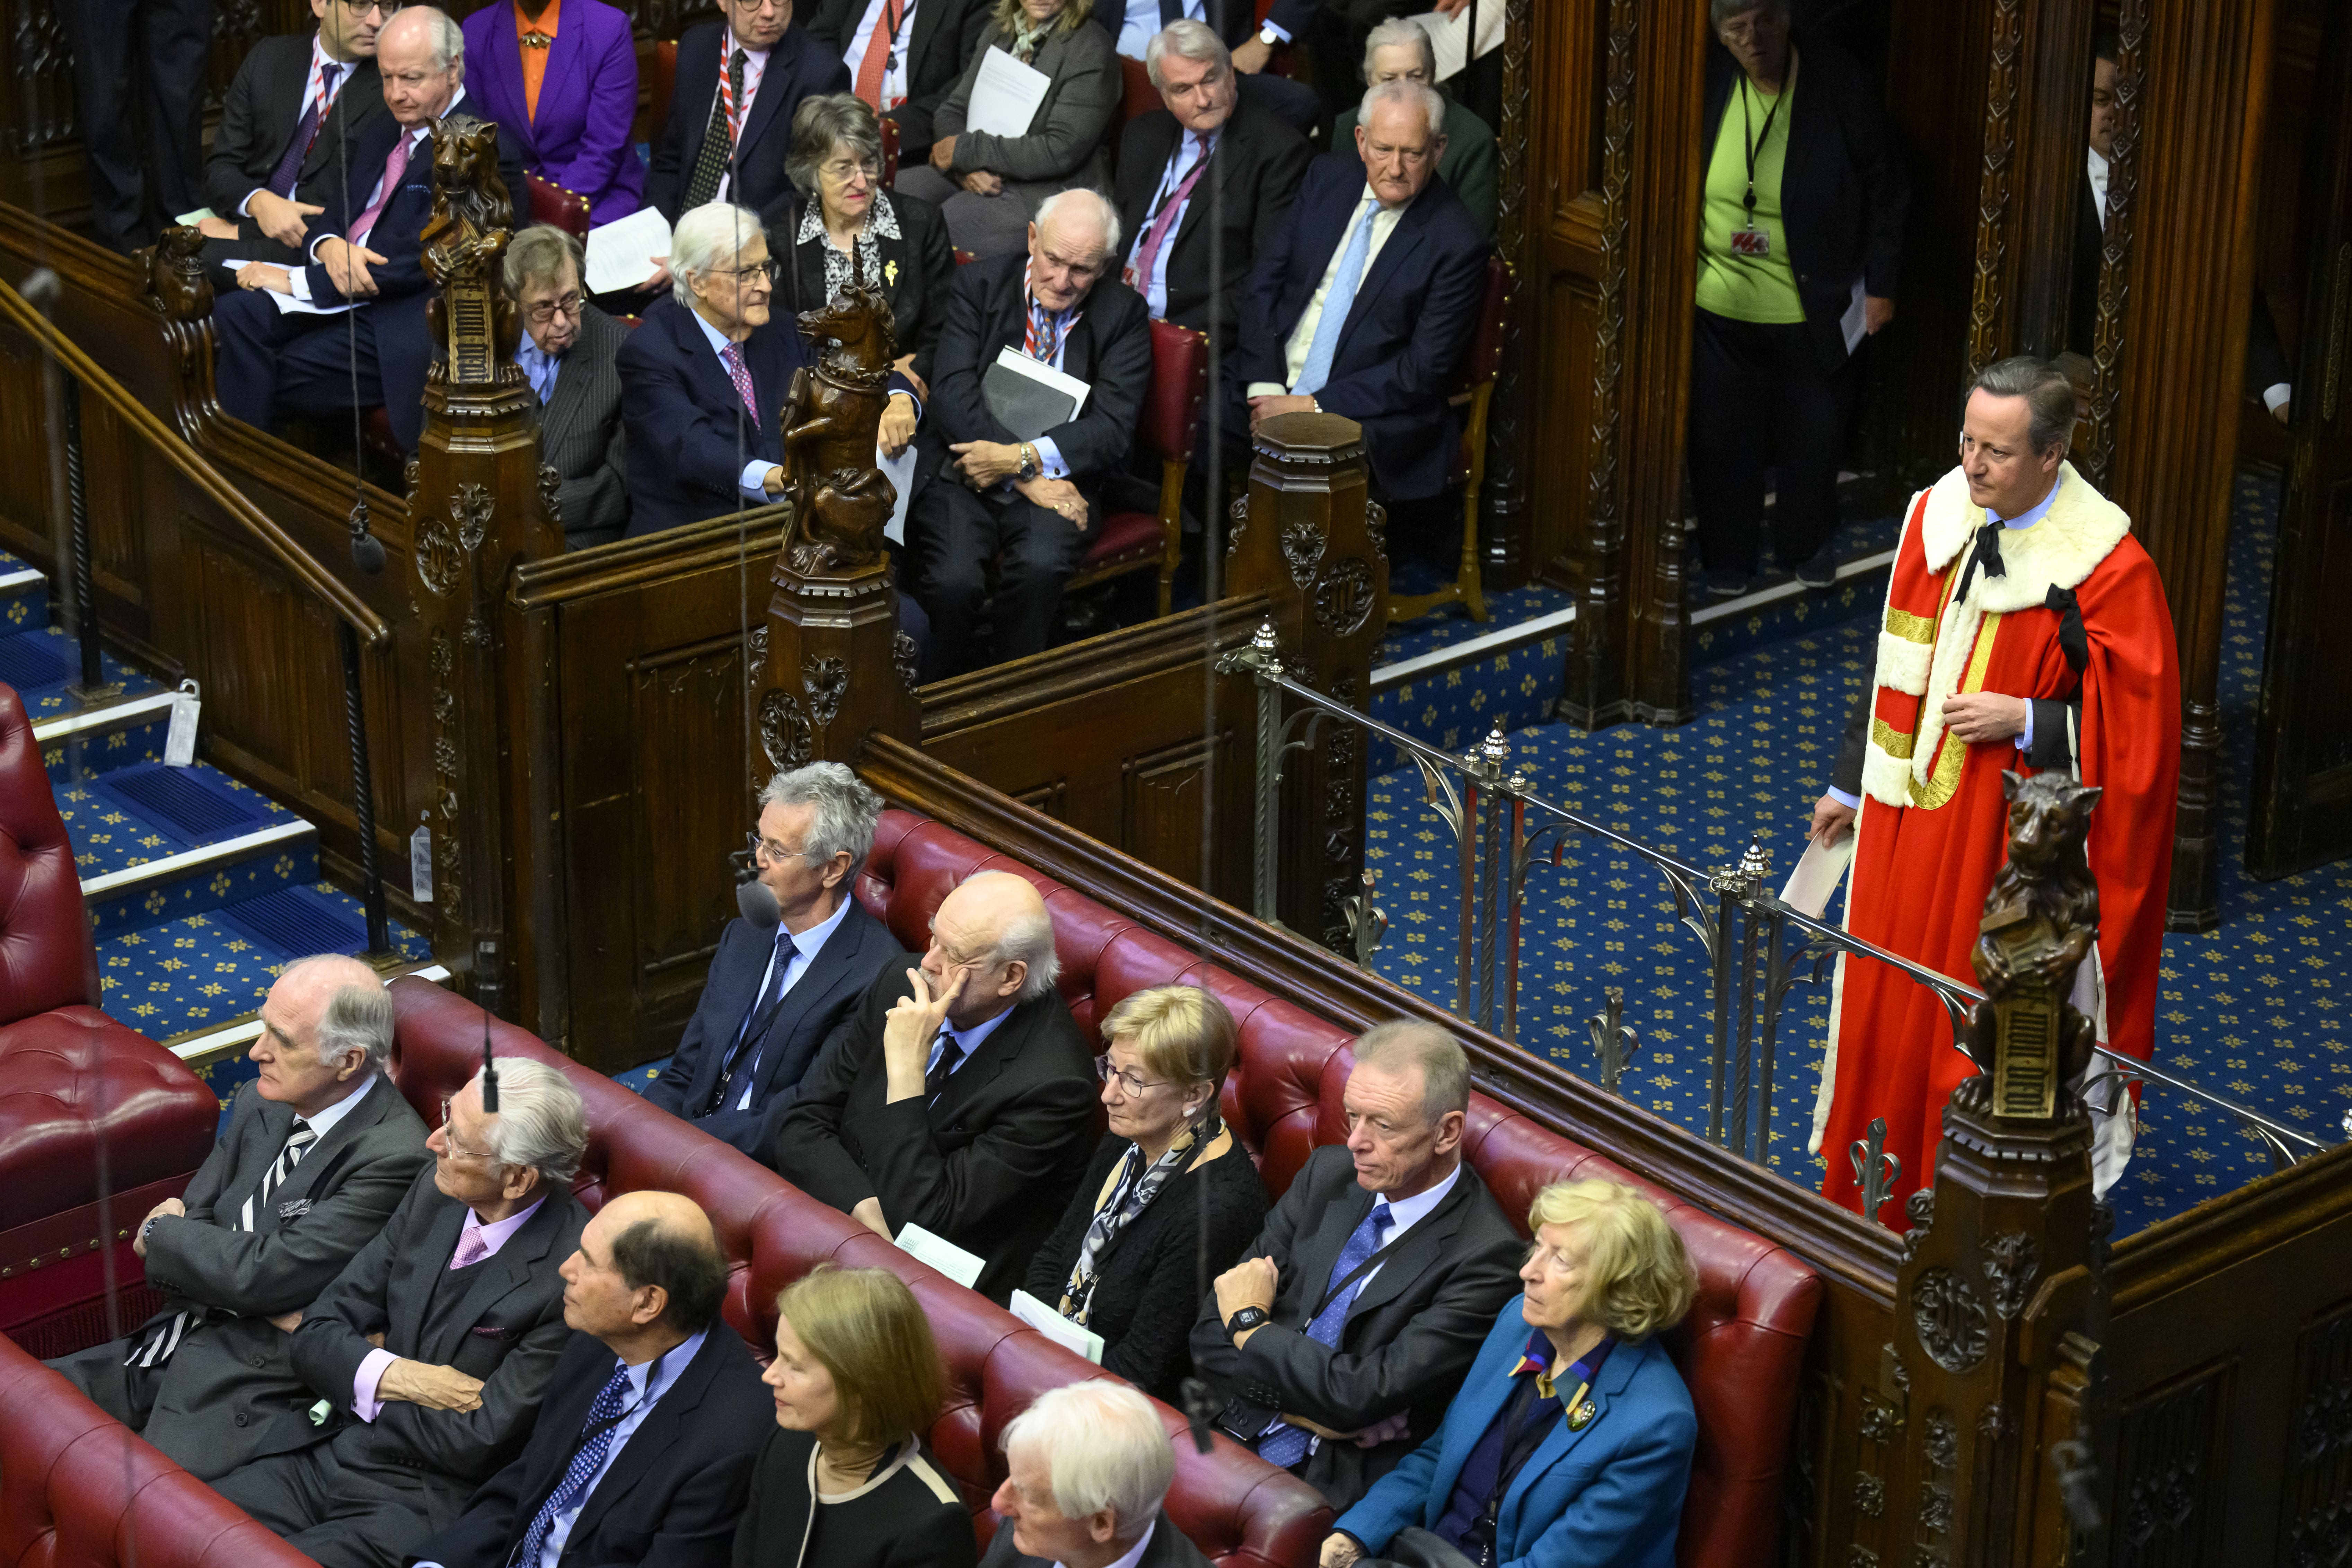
(1134, 1554)
(751, 56)
(1405, 1213)
(2098, 168)
(324, 1122)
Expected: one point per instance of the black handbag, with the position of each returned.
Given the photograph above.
(1413, 1547)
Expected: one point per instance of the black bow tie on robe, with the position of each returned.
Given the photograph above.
(1985, 552)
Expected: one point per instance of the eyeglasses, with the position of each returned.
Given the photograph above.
(358, 9)
(547, 310)
(769, 849)
(744, 276)
(841, 169)
(1128, 1080)
(449, 1137)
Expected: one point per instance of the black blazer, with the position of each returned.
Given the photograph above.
(1410, 1335)
(1412, 318)
(674, 1491)
(987, 1166)
(797, 67)
(1110, 349)
(258, 120)
(580, 433)
(830, 984)
(1148, 1279)
(1168, 1548)
(1258, 165)
(946, 34)
(909, 1517)
(925, 266)
(1843, 190)
(681, 411)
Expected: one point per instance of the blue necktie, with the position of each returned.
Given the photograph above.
(306, 132)
(1283, 1444)
(596, 1441)
(756, 1019)
(1337, 304)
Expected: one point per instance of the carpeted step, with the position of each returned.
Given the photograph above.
(84, 745)
(23, 596)
(155, 844)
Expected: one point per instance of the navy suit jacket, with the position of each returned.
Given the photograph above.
(680, 410)
(830, 984)
(403, 347)
(1611, 1493)
(1412, 318)
(673, 1495)
(797, 67)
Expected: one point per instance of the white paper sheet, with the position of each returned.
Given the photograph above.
(621, 253)
(941, 1254)
(1819, 870)
(1038, 370)
(1005, 95)
(901, 469)
(288, 304)
(1450, 36)
(1058, 1328)
(1853, 323)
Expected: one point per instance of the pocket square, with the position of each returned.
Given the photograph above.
(494, 1331)
(294, 1209)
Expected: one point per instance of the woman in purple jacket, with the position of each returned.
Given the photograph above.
(560, 75)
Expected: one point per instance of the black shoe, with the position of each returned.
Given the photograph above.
(1726, 585)
(1821, 572)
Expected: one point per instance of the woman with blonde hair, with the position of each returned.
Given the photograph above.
(844, 1481)
(1127, 1259)
(1571, 1438)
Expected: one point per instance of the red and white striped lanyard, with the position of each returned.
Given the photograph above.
(727, 82)
(1040, 339)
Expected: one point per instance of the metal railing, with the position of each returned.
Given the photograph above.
(1756, 946)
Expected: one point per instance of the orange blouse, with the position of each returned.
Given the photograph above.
(534, 59)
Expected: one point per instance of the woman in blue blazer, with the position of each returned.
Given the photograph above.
(1569, 1445)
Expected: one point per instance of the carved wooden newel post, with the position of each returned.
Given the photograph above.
(1310, 537)
(837, 664)
(478, 503)
(1970, 1449)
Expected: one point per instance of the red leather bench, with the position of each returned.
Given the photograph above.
(1740, 1351)
(1237, 1508)
(74, 1085)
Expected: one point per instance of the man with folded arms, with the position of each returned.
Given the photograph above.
(319, 1149)
(431, 1351)
(643, 1453)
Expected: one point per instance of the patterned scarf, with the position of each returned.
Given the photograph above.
(1029, 36)
(863, 263)
(1126, 1194)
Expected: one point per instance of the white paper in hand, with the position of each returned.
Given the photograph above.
(1005, 95)
(1819, 870)
(1058, 1328)
(941, 1254)
(901, 469)
(621, 253)
(1855, 323)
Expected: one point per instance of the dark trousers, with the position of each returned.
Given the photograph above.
(340, 1510)
(268, 364)
(952, 536)
(158, 50)
(1760, 399)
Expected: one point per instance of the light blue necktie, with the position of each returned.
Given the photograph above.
(1282, 1445)
(1337, 304)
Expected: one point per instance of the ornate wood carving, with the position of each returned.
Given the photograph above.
(1986, 323)
(1506, 546)
(2315, 1518)
(841, 500)
(2168, 1464)
(2094, 439)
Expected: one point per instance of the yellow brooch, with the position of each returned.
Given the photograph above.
(1581, 1416)
(890, 273)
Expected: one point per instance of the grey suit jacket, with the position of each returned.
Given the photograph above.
(1065, 146)
(580, 433)
(1168, 1548)
(505, 1327)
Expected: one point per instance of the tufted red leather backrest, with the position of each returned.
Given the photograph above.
(1238, 1510)
(77, 1490)
(46, 958)
(1740, 1347)
(1170, 425)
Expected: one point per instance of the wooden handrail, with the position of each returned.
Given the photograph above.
(193, 466)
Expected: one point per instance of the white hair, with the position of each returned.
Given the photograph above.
(1097, 204)
(540, 1122)
(448, 38)
(712, 234)
(1188, 39)
(846, 810)
(1104, 1448)
(1404, 89)
(1401, 32)
(358, 1015)
(1025, 939)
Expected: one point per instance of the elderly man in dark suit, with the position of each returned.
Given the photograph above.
(1366, 299)
(774, 998)
(992, 494)
(318, 1149)
(959, 1095)
(367, 276)
(293, 114)
(1087, 1467)
(1335, 1344)
(643, 1453)
(902, 57)
(730, 114)
(704, 379)
(1174, 164)
(570, 351)
(430, 1352)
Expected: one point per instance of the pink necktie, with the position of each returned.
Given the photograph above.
(393, 168)
(1147, 256)
(740, 374)
(471, 1249)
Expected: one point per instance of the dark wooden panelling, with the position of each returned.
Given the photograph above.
(2315, 1505)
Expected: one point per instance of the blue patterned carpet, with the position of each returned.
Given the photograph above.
(2253, 1008)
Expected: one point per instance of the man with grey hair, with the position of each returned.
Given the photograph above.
(1335, 1344)
(318, 1150)
(1203, 182)
(959, 1095)
(775, 994)
(705, 378)
(365, 277)
(2026, 630)
(1399, 48)
(1027, 499)
(427, 1357)
(1086, 1466)
(570, 350)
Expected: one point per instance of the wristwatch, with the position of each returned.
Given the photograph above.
(1030, 467)
(1269, 36)
(1243, 1320)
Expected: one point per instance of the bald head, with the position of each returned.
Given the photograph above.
(994, 937)
(649, 1275)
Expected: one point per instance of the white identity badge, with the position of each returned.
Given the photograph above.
(420, 862)
(180, 740)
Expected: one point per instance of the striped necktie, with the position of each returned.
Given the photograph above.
(161, 1344)
(306, 133)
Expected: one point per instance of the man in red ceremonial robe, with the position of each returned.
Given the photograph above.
(2025, 629)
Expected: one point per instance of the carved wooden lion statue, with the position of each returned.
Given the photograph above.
(2044, 884)
(177, 285)
(465, 240)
